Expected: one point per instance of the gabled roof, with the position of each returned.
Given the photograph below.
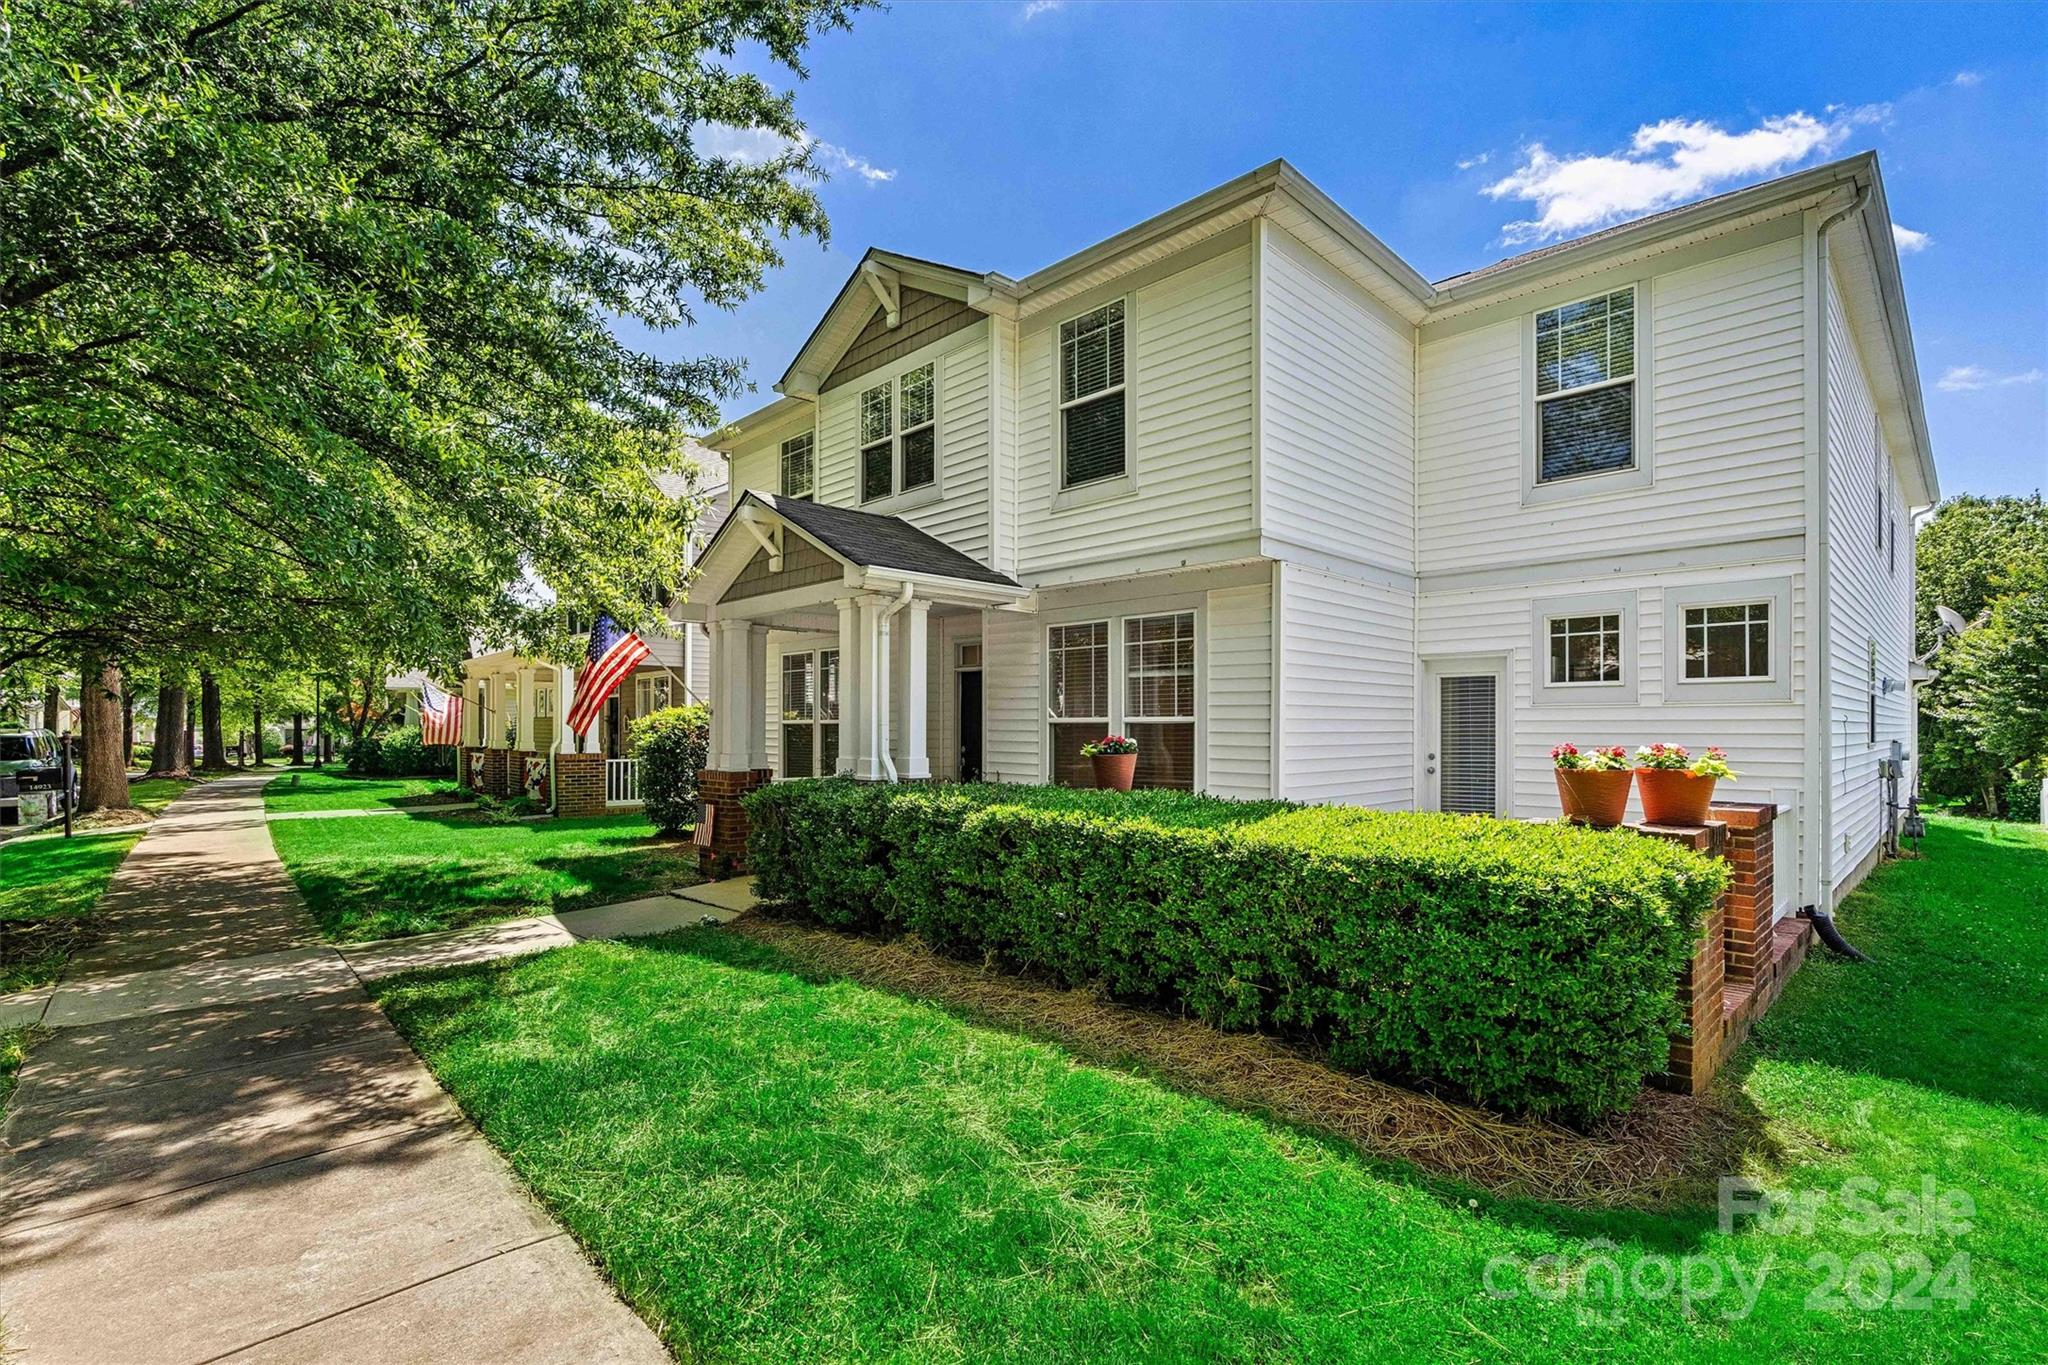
(866, 540)
(874, 283)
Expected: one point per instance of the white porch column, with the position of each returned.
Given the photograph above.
(867, 763)
(757, 697)
(917, 759)
(564, 738)
(728, 698)
(852, 699)
(522, 691)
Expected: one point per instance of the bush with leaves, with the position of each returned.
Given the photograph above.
(672, 746)
(1529, 967)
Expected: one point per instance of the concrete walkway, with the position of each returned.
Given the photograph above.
(224, 1151)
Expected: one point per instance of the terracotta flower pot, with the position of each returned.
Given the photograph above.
(1114, 772)
(1671, 797)
(1594, 798)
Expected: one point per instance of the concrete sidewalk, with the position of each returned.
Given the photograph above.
(224, 1151)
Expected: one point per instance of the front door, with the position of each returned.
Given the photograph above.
(970, 725)
(613, 736)
(1463, 768)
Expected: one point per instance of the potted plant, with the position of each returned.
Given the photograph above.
(1677, 788)
(1593, 788)
(1115, 758)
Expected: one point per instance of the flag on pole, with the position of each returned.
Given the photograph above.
(440, 715)
(611, 655)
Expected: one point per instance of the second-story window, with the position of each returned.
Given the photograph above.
(1585, 387)
(899, 434)
(799, 470)
(1092, 396)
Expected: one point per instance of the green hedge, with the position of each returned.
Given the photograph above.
(673, 745)
(1529, 967)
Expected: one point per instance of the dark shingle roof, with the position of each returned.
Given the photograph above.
(880, 542)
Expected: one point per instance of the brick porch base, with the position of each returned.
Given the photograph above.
(726, 852)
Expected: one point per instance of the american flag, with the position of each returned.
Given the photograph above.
(440, 715)
(612, 654)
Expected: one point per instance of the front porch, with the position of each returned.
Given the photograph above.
(853, 604)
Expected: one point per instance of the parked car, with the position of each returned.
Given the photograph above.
(35, 759)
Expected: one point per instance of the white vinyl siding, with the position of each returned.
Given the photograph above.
(1347, 690)
(1013, 716)
(1239, 694)
(1868, 602)
(1189, 363)
(1727, 416)
(1338, 418)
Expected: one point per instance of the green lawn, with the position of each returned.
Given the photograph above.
(331, 790)
(48, 886)
(775, 1167)
(386, 876)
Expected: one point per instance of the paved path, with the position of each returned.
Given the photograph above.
(224, 1151)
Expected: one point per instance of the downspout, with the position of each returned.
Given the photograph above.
(882, 679)
(1820, 711)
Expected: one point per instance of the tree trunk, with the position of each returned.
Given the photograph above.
(256, 736)
(172, 751)
(298, 739)
(103, 778)
(215, 759)
(53, 702)
(127, 727)
(191, 732)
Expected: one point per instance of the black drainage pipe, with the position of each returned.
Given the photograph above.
(1824, 925)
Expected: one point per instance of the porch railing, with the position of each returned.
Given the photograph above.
(622, 782)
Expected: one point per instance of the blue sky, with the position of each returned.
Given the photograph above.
(1002, 136)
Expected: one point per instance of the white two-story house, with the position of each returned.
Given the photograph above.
(1241, 484)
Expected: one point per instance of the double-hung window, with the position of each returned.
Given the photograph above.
(1159, 697)
(899, 434)
(543, 704)
(1728, 643)
(1585, 649)
(799, 469)
(1585, 387)
(652, 693)
(1092, 426)
(810, 713)
(1077, 699)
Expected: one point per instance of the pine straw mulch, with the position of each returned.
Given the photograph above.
(1664, 1153)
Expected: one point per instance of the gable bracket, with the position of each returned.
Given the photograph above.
(770, 538)
(887, 287)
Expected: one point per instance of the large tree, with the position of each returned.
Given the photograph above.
(1984, 717)
(307, 306)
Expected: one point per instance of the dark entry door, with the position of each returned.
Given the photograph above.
(612, 736)
(970, 725)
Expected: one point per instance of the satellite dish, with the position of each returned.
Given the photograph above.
(1952, 621)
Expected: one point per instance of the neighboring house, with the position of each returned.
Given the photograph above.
(1242, 484)
(521, 704)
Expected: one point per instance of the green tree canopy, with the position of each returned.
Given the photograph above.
(306, 307)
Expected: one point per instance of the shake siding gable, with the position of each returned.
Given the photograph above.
(1337, 449)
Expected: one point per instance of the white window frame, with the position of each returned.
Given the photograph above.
(543, 703)
(899, 498)
(1621, 692)
(818, 720)
(1117, 719)
(1642, 473)
(644, 689)
(1067, 495)
(1774, 592)
(810, 488)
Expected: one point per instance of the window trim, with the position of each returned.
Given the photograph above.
(1776, 593)
(810, 494)
(817, 721)
(1114, 618)
(1683, 624)
(1111, 487)
(1615, 602)
(1641, 474)
(899, 498)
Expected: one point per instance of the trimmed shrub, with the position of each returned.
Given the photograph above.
(672, 745)
(1529, 967)
(400, 753)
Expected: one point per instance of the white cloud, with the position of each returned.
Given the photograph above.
(1970, 378)
(1909, 241)
(756, 145)
(1034, 8)
(1966, 79)
(1469, 162)
(1667, 163)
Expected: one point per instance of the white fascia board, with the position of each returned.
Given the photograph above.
(768, 417)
